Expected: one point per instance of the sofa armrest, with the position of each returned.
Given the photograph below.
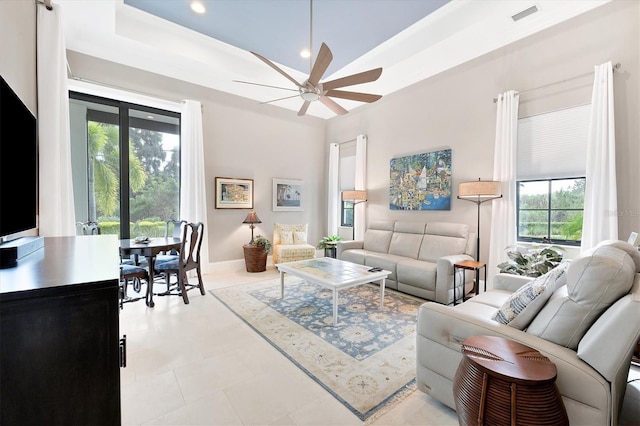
(348, 245)
(509, 282)
(444, 275)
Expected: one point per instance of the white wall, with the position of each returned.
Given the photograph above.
(455, 109)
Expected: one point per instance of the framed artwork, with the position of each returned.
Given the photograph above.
(287, 195)
(421, 181)
(234, 193)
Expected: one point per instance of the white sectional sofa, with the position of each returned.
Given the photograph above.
(419, 255)
(585, 320)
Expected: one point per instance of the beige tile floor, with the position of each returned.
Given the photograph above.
(199, 364)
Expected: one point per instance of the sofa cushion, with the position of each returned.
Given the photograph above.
(443, 239)
(525, 303)
(377, 240)
(595, 280)
(406, 239)
(417, 273)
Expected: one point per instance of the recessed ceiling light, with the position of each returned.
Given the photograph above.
(305, 53)
(198, 7)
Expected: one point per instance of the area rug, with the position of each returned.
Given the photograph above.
(367, 362)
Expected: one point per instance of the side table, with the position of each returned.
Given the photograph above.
(471, 265)
(503, 382)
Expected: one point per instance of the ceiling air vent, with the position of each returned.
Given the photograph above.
(524, 13)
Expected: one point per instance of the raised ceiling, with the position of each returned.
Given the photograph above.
(410, 39)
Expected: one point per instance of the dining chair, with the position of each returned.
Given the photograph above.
(187, 260)
(132, 274)
(90, 228)
(173, 229)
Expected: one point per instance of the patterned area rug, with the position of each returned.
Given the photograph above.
(367, 362)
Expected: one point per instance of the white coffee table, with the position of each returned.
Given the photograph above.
(334, 275)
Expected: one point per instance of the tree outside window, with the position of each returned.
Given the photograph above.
(551, 210)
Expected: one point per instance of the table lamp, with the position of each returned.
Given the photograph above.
(252, 218)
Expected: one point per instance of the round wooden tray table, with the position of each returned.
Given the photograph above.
(502, 382)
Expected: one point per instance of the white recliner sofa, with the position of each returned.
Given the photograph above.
(585, 320)
(420, 256)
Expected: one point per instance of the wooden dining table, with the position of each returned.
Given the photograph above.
(149, 249)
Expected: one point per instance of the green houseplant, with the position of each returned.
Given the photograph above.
(329, 241)
(260, 241)
(531, 261)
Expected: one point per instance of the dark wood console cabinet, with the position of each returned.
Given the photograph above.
(59, 334)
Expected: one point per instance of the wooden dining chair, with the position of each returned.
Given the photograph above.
(134, 275)
(188, 260)
(173, 229)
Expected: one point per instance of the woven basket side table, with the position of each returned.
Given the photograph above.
(502, 382)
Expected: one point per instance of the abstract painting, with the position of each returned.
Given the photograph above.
(421, 181)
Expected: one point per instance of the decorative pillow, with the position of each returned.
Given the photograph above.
(525, 303)
(299, 237)
(286, 237)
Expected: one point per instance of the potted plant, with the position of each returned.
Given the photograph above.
(531, 261)
(255, 254)
(329, 241)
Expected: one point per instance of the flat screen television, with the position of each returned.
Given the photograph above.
(18, 166)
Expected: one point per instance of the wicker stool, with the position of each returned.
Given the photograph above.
(502, 382)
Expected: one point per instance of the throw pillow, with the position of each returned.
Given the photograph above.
(525, 303)
(286, 237)
(299, 237)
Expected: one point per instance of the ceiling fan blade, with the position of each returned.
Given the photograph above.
(265, 85)
(304, 108)
(350, 80)
(275, 67)
(320, 66)
(332, 105)
(354, 96)
(279, 99)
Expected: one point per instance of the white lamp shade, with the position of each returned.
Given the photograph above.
(479, 189)
(356, 195)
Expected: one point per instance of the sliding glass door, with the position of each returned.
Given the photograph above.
(126, 165)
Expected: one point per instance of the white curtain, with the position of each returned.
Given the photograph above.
(56, 209)
(193, 196)
(359, 211)
(333, 193)
(600, 199)
(503, 210)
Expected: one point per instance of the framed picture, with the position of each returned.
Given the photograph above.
(287, 195)
(234, 193)
(421, 181)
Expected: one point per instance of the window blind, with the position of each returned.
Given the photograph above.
(553, 144)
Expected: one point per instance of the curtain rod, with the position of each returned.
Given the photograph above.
(615, 67)
(47, 4)
(342, 143)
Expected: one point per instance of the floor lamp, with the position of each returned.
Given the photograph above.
(479, 192)
(356, 197)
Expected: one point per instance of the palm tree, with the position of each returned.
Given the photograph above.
(102, 169)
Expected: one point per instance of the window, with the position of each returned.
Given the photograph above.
(551, 210)
(346, 217)
(121, 148)
(551, 164)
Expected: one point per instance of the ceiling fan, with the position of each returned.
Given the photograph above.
(313, 90)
